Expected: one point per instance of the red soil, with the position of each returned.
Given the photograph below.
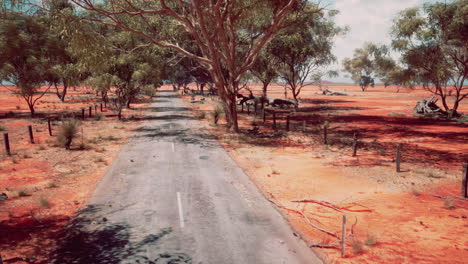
(415, 216)
(45, 183)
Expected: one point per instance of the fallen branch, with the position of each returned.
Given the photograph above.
(332, 206)
(324, 246)
(327, 91)
(306, 218)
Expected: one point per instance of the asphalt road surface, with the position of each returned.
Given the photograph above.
(174, 195)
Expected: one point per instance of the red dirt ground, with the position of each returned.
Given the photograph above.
(415, 216)
(45, 183)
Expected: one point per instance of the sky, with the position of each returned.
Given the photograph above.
(368, 20)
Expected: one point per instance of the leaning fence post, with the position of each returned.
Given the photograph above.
(287, 122)
(31, 136)
(7, 143)
(101, 106)
(82, 113)
(50, 127)
(398, 158)
(90, 111)
(343, 237)
(465, 181)
(354, 144)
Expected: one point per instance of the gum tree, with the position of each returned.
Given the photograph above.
(229, 34)
(434, 48)
(23, 55)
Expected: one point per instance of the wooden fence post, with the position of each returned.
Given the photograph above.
(7, 144)
(31, 136)
(101, 106)
(354, 144)
(274, 120)
(90, 111)
(50, 127)
(465, 181)
(343, 237)
(398, 158)
(82, 113)
(287, 122)
(325, 135)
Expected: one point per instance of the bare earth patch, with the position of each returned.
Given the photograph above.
(45, 183)
(414, 216)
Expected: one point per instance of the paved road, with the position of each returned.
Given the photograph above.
(175, 196)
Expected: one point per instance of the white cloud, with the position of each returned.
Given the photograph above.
(368, 20)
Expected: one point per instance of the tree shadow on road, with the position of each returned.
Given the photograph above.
(92, 239)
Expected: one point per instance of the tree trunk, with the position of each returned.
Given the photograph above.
(202, 86)
(31, 106)
(231, 114)
(64, 91)
(264, 89)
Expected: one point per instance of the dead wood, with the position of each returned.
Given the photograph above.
(428, 107)
(306, 218)
(326, 91)
(324, 246)
(332, 206)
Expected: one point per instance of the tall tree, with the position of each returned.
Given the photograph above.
(229, 34)
(64, 72)
(302, 50)
(368, 63)
(433, 41)
(265, 70)
(23, 55)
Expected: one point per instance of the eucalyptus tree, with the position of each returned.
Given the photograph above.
(305, 49)
(63, 70)
(229, 34)
(23, 55)
(433, 41)
(369, 63)
(265, 70)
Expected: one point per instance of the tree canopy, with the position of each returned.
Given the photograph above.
(433, 41)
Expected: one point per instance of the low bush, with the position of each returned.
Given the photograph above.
(201, 115)
(68, 131)
(216, 114)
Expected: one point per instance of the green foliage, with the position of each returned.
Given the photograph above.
(368, 63)
(303, 49)
(23, 54)
(67, 132)
(432, 40)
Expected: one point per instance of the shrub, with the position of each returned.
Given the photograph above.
(201, 115)
(99, 117)
(52, 185)
(2, 128)
(68, 131)
(448, 204)
(217, 112)
(370, 241)
(357, 247)
(44, 203)
(23, 193)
